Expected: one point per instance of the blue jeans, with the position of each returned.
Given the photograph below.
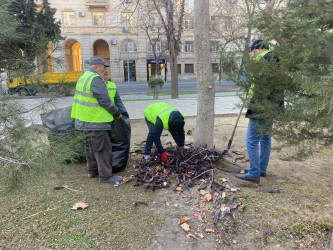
(258, 132)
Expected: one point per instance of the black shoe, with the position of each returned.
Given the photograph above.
(261, 174)
(92, 174)
(250, 178)
(112, 179)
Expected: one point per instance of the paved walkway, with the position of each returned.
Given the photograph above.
(145, 96)
(225, 103)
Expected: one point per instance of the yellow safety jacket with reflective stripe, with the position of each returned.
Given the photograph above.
(161, 110)
(258, 57)
(85, 106)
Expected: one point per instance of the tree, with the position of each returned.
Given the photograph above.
(226, 30)
(49, 28)
(151, 25)
(171, 14)
(21, 154)
(206, 94)
(232, 26)
(33, 31)
(300, 33)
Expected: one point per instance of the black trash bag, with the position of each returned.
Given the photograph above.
(58, 122)
(120, 139)
(63, 136)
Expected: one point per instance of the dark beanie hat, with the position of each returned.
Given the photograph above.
(176, 121)
(258, 44)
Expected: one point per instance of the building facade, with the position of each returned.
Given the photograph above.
(116, 31)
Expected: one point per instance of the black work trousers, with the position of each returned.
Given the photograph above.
(99, 153)
(149, 141)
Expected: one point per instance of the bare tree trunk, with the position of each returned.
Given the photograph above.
(206, 93)
(174, 75)
(172, 21)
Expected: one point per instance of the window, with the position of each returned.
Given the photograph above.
(69, 18)
(129, 16)
(228, 23)
(189, 47)
(99, 18)
(131, 46)
(189, 68)
(179, 67)
(215, 68)
(214, 48)
(154, 21)
(190, 4)
(188, 24)
(158, 46)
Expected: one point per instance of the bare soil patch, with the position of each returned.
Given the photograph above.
(300, 216)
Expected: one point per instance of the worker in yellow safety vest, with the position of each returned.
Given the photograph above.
(93, 111)
(161, 116)
(258, 135)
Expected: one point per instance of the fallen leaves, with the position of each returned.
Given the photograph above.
(207, 197)
(80, 205)
(241, 208)
(210, 230)
(183, 220)
(223, 207)
(185, 227)
(202, 192)
(201, 235)
(189, 235)
(127, 178)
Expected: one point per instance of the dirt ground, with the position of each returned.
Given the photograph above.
(299, 217)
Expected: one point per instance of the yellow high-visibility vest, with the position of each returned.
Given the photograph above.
(258, 57)
(161, 110)
(85, 106)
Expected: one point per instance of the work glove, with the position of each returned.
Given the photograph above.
(117, 116)
(146, 157)
(164, 157)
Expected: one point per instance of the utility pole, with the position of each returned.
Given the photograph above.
(128, 74)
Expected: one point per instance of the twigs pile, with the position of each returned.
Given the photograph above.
(192, 167)
(185, 167)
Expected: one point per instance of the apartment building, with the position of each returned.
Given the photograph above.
(106, 28)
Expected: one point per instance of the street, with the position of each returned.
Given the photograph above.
(184, 84)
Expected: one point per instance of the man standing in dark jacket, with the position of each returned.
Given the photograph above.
(161, 116)
(93, 110)
(258, 136)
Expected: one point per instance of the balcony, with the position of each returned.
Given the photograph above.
(97, 3)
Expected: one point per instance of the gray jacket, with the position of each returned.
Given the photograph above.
(99, 90)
